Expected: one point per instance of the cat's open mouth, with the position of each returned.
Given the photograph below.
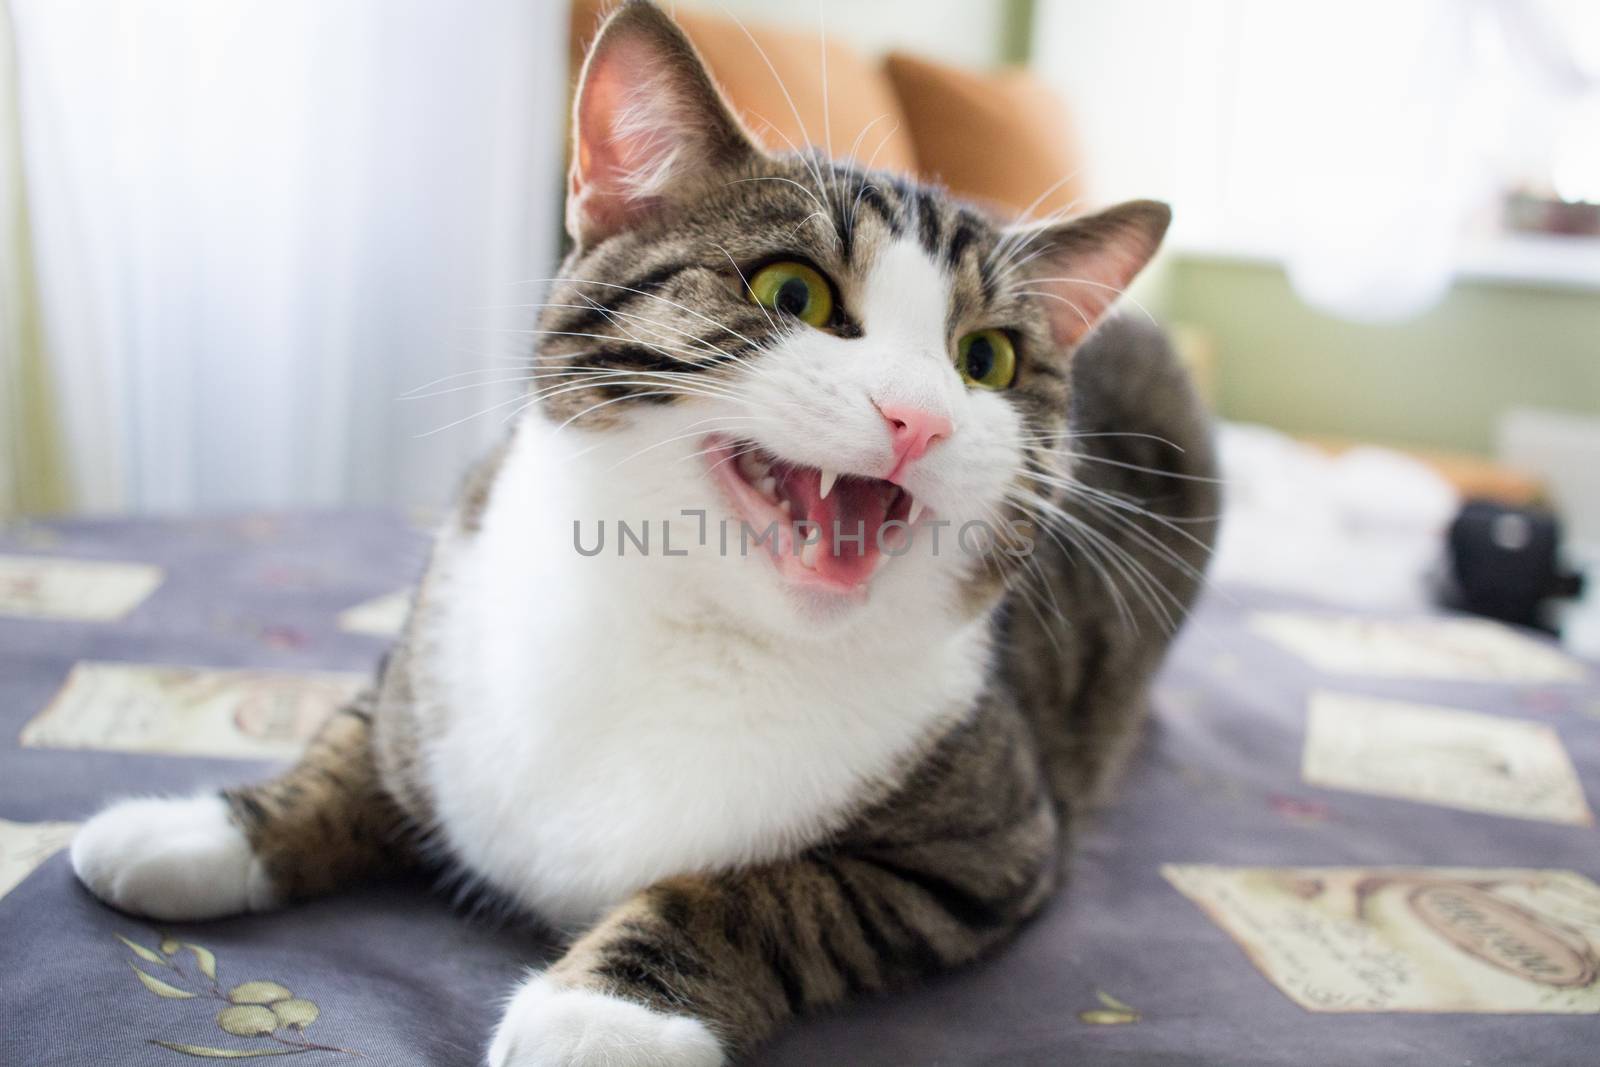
(828, 529)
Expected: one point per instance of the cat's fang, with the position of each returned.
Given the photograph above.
(848, 520)
(917, 508)
(825, 482)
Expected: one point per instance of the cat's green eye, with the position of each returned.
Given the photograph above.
(794, 289)
(987, 358)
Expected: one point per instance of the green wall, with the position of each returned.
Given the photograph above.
(1439, 380)
(1016, 31)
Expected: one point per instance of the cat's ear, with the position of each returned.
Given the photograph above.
(648, 123)
(1081, 266)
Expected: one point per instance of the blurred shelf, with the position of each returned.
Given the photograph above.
(1546, 261)
(1533, 259)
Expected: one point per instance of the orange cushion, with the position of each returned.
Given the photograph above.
(859, 97)
(1001, 138)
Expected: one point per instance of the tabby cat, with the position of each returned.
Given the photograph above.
(908, 528)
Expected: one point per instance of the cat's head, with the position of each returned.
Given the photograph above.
(792, 338)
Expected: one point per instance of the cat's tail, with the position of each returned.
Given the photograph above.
(1128, 559)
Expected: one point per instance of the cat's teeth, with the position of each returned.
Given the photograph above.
(917, 508)
(825, 482)
(751, 466)
(785, 507)
(808, 554)
(768, 487)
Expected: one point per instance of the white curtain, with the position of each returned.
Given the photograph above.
(258, 225)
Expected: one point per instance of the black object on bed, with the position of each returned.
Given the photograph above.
(1505, 563)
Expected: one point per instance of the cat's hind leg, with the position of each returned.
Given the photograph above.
(326, 822)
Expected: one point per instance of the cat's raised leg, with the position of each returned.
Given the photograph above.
(697, 970)
(326, 822)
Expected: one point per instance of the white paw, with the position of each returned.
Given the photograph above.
(548, 1026)
(170, 859)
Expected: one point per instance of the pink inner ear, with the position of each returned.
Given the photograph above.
(628, 136)
(1079, 286)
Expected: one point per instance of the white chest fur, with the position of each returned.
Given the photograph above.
(611, 726)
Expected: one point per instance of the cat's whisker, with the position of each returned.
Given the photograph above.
(1026, 214)
(822, 58)
(474, 385)
(1023, 583)
(517, 364)
(1129, 502)
(805, 221)
(1121, 292)
(1124, 561)
(818, 192)
(855, 204)
(856, 144)
(1055, 530)
(1016, 265)
(1035, 509)
(659, 387)
(730, 457)
(1147, 539)
(659, 324)
(1125, 517)
(1115, 559)
(1122, 501)
(613, 314)
(717, 420)
(771, 322)
(614, 400)
(810, 163)
(608, 374)
(1119, 504)
(468, 418)
(592, 378)
(862, 182)
(1024, 229)
(1155, 471)
(1028, 587)
(1072, 435)
(653, 296)
(669, 350)
(704, 350)
(1088, 324)
(1155, 593)
(785, 181)
(1027, 229)
(688, 384)
(1024, 251)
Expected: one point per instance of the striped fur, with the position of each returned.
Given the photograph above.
(329, 820)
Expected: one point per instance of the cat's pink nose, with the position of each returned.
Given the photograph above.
(913, 431)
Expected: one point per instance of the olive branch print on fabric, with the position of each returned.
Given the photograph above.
(250, 1009)
(1114, 1013)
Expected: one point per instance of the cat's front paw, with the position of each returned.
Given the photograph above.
(546, 1025)
(172, 859)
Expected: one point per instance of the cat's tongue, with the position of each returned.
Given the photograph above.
(849, 518)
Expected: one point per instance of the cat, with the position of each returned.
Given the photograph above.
(754, 776)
